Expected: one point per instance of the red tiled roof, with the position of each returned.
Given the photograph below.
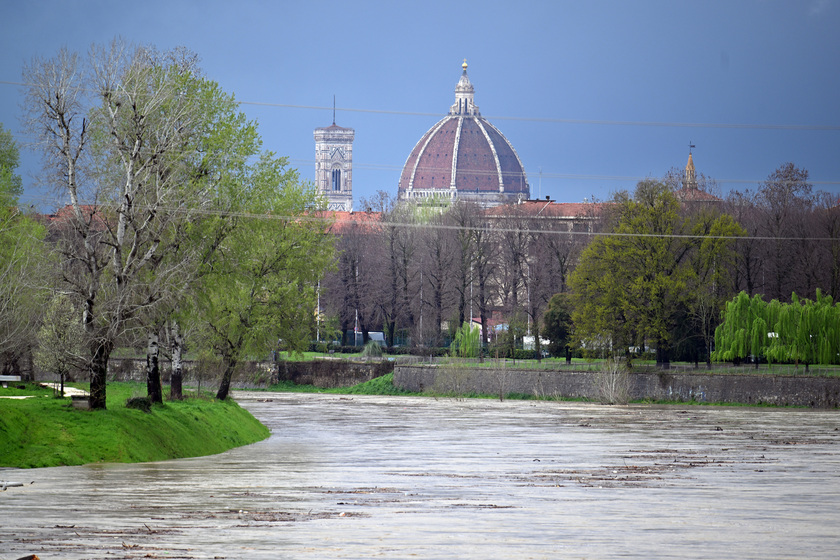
(688, 194)
(343, 221)
(550, 209)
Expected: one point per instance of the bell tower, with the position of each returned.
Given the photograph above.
(334, 165)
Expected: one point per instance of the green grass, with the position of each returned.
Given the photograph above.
(383, 385)
(309, 356)
(44, 431)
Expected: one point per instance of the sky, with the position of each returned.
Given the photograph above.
(594, 96)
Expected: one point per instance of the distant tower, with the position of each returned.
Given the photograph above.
(690, 177)
(334, 165)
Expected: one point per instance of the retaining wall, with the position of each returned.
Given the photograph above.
(819, 392)
(326, 374)
(332, 373)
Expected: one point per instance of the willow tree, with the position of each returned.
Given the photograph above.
(802, 331)
(745, 330)
(807, 332)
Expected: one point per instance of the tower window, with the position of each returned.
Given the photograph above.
(336, 179)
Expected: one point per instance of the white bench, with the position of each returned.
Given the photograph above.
(4, 379)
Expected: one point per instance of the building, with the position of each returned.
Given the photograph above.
(334, 165)
(464, 156)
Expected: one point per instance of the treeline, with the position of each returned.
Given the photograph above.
(648, 270)
(419, 272)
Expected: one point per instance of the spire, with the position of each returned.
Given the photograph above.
(690, 180)
(464, 96)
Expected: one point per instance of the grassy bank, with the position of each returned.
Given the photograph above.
(43, 431)
(383, 385)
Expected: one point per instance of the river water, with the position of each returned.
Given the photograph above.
(409, 477)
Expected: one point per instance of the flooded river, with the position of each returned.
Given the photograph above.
(392, 477)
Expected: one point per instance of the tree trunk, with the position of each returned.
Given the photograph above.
(662, 360)
(224, 387)
(98, 370)
(153, 385)
(176, 381)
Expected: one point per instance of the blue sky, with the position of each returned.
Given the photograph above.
(593, 95)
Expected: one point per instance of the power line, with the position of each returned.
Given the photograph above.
(547, 175)
(601, 122)
(326, 219)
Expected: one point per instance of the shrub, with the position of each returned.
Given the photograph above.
(467, 341)
(372, 350)
(613, 383)
(139, 403)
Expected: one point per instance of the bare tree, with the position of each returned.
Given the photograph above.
(747, 274)
(461, 216)
(485, 262)
(784, 201)
(827, 221)
(398, 288)
(437, 247)
(348, 290)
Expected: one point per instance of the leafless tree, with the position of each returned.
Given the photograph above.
(462, 216)
(437, 245)
(348, 290)
(827, 222)
(747, 273)
(398, 288)
(784, 201)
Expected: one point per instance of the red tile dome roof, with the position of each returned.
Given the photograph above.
(464, 156)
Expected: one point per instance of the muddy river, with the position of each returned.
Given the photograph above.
(389, 477)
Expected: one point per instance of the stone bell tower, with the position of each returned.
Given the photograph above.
(334, 165)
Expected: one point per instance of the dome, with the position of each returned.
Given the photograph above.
(464, 156)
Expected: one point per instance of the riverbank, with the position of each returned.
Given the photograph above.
(43, 431)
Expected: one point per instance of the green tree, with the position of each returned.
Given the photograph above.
(23, 271)
(59, 350)
(467, 343)
(10, 183)
(631, 288)
(557, 322)
(259, 285)
(23, 264)
(743, 333)
(802, 331)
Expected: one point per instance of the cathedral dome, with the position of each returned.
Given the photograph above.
(464, 156)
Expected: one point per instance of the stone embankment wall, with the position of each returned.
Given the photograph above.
(821, 392)
(332, 373)
(327, 373)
